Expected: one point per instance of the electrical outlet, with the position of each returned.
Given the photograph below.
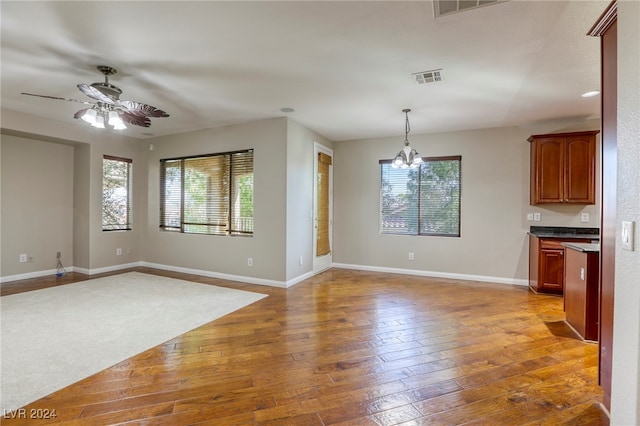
(584, 217)
(23, 258)
(537, 216)
(301, 261)
(529, 217)
(118, 252)
(411, 256)
(249, 261)
(582, 274)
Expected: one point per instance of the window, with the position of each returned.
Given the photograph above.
(116, 193)
(421, 201)
(208, 194)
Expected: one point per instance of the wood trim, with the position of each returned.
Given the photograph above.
(607, 18)
(606, 28)
(563, 135)
(114, 158)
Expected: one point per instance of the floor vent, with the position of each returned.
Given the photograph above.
(425, 77)
(447, 7)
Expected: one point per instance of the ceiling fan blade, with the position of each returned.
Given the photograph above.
(94, 93)
(142, 110)
(57, 98)
(136, 120)
(80, 113)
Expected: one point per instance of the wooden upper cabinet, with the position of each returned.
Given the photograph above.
(563, 168)
(547, 167)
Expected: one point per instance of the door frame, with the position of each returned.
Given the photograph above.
(324, 262)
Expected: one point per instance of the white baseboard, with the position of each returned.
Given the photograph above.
(435, 274)
(107, 268)
(300, 278)
(28, 275)
(212, 274)
(267, 282)
(38, 274)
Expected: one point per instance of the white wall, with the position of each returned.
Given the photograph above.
(89, 249)
(300, 181)
(495, 202)
(103, 245)
(37, 204)
(226, 254)
(625, 395)
(283, 171)
(82, 207)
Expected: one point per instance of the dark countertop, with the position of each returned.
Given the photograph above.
(562, 232)
(583, 247)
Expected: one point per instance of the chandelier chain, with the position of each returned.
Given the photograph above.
(407, 128)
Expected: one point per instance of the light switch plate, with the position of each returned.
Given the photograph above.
(536, 217)
(626, 235)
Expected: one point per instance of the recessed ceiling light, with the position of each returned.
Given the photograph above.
(590, 94)
(287, 109)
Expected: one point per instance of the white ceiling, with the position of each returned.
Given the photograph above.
(345, 67)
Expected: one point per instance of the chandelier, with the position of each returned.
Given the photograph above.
(407, 157)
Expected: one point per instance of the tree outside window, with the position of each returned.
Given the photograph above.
(116, 193)
(421, 201)
(209, 194)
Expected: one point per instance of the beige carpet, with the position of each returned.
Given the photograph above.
(54, 337)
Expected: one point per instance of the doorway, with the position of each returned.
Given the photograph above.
(322, 208)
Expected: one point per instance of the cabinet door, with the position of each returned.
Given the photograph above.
(580, 169)
(534, 259)
(551, 276)
(575, 290)
(547, 184)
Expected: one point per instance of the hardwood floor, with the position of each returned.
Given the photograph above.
(351, 348)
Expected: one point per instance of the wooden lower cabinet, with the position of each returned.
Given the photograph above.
(547, 262)
(551, 272)
(581, 289)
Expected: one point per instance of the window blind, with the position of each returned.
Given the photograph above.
(421, 201)
(323, 245)
(208, 194)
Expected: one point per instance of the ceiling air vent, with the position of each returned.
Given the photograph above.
(425, 77)
(447, 7)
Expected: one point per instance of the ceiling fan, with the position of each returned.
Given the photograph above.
(108, 107)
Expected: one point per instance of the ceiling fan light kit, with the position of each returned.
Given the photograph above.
(108, 108)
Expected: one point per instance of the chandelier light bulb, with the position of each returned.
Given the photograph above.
(119, 126)
(116, 121)
(99, 123)
(114, 118)
(89, 116)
